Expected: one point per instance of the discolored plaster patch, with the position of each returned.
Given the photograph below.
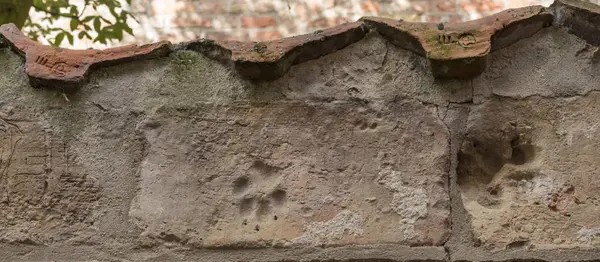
(589, 236)
(329, 232)
(408, 202)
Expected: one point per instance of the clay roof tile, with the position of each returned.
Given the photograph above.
(457, 50)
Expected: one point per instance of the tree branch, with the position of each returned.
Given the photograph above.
(39, 9)
(87, 2)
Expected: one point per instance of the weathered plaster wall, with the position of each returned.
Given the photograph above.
(360, 155)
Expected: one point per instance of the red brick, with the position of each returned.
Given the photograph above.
(301, 12)
(446, 5)
(291, 25)
(267, 36)
(341, 2)
(480, 5)
(328, 3)
(188, 35)
(521, 3)
(239, 36)
(257, 21)
(326, 22)
(138, 7)
(370, 6)
(422, 6)
(192, 22)
(185, 7)
(160, 7)
(226, 22)
(316, 6)
(237, 7)
(170, 37)
(264, 7)
(210, 7)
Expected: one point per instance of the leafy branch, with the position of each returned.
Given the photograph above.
(85, 26)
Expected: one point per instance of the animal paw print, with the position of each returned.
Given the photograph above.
(259, 196)
(364, 124)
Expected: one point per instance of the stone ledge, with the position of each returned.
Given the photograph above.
(561, 255)
(387, 253)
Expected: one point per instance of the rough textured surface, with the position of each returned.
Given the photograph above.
(252, 170)
(196, 160)
(528, 178)
(581, 18)
(65, 69)
(360, 155)
(460, 50)
(453, 50)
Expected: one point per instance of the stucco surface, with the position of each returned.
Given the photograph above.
(295, 174)
(529, 177)
(358, 155)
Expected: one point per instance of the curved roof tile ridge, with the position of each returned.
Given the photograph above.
(67, 69)
(457, 50)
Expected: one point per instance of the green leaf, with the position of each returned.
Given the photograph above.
(59, 38)
(87, 19)
(61, 3)
(70, 38)
(97, 24)
(118, 32)
(128, 29)
(40, 3)
(74, 24)
(107, 27)
(100, 38)
(55, 10)
(114, 13)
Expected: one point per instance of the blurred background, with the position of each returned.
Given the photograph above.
(261, 20)
(247, 20)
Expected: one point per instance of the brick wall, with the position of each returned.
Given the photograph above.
(260, 20)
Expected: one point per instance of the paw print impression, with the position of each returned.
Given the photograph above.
(259, 195)
(368, 122)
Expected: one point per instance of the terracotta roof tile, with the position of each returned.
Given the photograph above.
(454, 50)
(67, 69)
(459, 50)
(581, 18)
(270, 60)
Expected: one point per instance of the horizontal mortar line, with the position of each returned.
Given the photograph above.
(589, 92)
(253, 103)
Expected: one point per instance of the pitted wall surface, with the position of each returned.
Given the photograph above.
(360, 155)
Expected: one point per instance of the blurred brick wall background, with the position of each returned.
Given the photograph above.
(261, 20)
